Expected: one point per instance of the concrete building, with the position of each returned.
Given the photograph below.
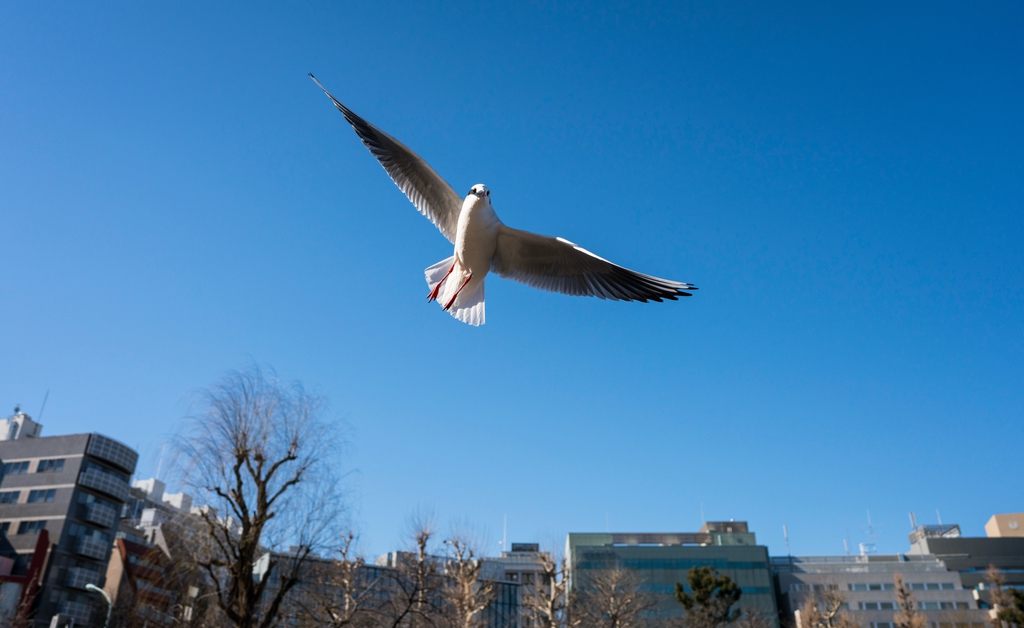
(1005, 525)
(526, 568)
(524, 564)
(73, 487)
(138, 582)
(19, 425)
(867, 583)
(663, 559)
(971, 557)
(152, 493)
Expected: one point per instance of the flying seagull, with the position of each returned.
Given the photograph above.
(483, 243)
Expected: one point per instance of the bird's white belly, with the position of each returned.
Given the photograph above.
(476, 239)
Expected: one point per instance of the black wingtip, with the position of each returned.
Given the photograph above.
(310, 75)
(342, 108)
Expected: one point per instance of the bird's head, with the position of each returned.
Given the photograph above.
(480, 191)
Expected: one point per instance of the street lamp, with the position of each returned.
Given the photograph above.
(110, 605)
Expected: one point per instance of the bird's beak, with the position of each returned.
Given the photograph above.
(478, 194)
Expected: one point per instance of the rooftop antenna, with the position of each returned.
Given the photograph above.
(939, 517)
(869, 547)
(913, 520)
(846, 545)
(504, 532)
(43, 407)
(785, 535)
(160, 463)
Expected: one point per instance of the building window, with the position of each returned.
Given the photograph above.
(31, 527)
(79, 530)
(16, 468)
(882, 624)
(877, 606)
(53, 465)
(9, 497)
(41, 495)
(89, 498)
(943, 606)
(871, 586)
(4, 527)
(98, 468)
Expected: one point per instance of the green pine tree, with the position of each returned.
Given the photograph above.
(713, 597)
(1013, 612)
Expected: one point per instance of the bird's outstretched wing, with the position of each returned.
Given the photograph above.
(560, 266)
(425, 188)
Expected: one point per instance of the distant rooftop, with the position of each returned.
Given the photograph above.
(868, 563)
(705, 536)
(19, 425)
(940, 531)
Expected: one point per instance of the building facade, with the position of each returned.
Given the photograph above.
(867, 583)
(664, 559)
(73, 487)
(1011, 524)
(973, 557)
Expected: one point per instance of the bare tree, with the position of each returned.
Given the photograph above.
(414, 587)
(466, 595)
(19, 615)
(611, 598)
(825, 609)
(754, 619)
(338, 593)
(907, 615)
(998, 594)
(259, 452)
(544, 601)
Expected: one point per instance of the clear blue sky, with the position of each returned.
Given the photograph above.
(843, 184)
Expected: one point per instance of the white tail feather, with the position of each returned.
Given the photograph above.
(468, 307)
(437, 272)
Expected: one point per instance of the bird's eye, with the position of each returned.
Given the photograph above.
(488, 192)
(471, 190)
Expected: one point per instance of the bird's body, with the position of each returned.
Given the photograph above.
(482, 243)
(476, 238)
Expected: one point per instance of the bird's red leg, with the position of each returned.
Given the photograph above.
(452, 300)
(433, 293)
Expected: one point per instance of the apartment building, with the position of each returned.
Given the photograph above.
(73, 487)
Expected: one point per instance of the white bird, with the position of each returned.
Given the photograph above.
(483, 243)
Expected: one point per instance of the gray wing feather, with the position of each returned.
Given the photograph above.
(558, 265)
(431, 194)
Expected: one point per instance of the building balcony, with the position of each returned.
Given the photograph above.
(93, 548)
(113, 452)
(100, 514)
(78, 577)
(81, 612)
(104, 483)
